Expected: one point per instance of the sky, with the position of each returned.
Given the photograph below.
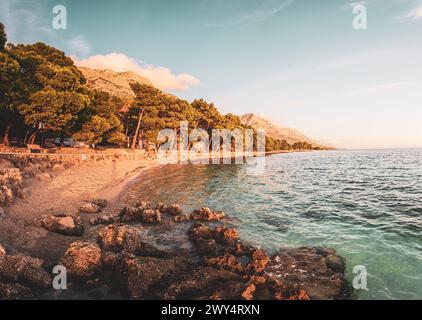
(299, 63)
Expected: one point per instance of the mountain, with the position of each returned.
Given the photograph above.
(277, 131)
(115, 83)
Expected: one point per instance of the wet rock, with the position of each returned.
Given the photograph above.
(309, 268)
(102, 203)
(151, 216)
(144, 273)
(129, 214)
(206, 214)
(117, 238)
(335, 263)
(90, 208)
(206, 283)
(82, 259)
(15, 291)
(66, 225)
(259, 261)
(106, 219)
(221, 233)
(24, 268)
(227, 262)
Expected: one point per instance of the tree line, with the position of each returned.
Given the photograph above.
(43, 95)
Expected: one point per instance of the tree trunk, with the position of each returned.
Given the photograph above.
(6, 135)
(138, 125)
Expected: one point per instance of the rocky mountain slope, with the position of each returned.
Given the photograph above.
(115, 83)
(277, 131)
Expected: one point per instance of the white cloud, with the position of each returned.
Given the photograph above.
(161, 77)
(415, 13)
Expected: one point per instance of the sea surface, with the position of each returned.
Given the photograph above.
(365, 204)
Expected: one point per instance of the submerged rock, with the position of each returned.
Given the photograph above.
(90, 208)
(206, 214)
(63, 224)
(82, 259)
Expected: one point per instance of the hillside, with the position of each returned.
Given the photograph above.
(115, 83)
(277, 131)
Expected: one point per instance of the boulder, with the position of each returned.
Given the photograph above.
(151, 216)
(117, 238)
(66, 225)
(206, 214)
(106, 219)
(173, 209)
(102, 203)
(181, 218)
(15, 291)
(129, 214)
(90, 208)
(6, 195)
(24, 268)
(146, 275)
(82, 259)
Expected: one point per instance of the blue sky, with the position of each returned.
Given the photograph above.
(297, 62)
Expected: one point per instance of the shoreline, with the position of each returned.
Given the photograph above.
(82, 183)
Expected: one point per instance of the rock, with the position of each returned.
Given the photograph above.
(66, 225)
(2, 251)
(24, 268)
(129, 214)
(335, 263)
(102, 203)
(15, 291)
(106, 219)
(206, 283)
(43, 176)
(112, 259)
(151, 216)
(144, 204)
(2, 214)
(181, 218)
(309, 267)
(58, 167)
(117, 238)
(90, 208)
(173, 209)
(259, 261)
(144, 273)
(206, 214)
(227, 262)
(6, 195)
(82, 259)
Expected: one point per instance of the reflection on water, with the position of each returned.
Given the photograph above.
(366, 204)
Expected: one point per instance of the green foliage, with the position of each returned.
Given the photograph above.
(3, 37)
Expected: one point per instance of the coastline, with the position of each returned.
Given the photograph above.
(82, 183)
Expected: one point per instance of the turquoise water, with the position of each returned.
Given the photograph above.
(365, 204)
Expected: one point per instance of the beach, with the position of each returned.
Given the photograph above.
(51, 222)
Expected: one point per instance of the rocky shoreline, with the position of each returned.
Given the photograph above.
(157, 251)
